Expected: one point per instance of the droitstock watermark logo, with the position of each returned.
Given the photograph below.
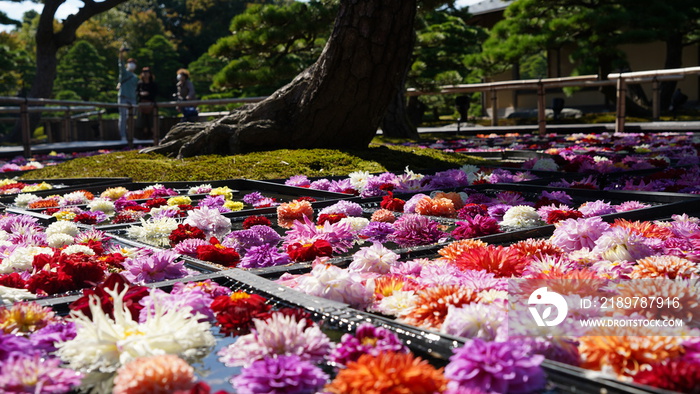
(596, 306)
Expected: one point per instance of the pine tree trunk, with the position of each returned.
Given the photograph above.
(338, 102)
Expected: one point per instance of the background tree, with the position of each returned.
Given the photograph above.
(16, 65)
(89, 80)
(339, 101)
(161, 56)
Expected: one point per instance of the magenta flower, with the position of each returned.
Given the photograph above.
(11, 344)
(159, 266)
(262, 256)
(282, 374)
(32, 373)
(348, 208)
(368, 339)
(189, 246)
(475, 227)
(298, 181)
(495, 367)
(596, 208)
(414, 230)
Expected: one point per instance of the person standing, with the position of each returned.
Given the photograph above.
(147, 90)
(185, 92)
(127, 90)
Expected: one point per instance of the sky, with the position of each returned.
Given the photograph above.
(16, 10)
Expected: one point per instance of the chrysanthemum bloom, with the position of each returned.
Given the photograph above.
(415, 230)
(679, 375)
(153, 232)
(288, 212)
(622, 244)
(476, 320)
(557, 215)
(671, 267)
(348, 208)
(388, 373)
(630, 206)
(627, 355)
(183, 232)
(159, 266)
(211, 221)
(398, 303)
(646, 229)
(376, 232)
(596, 208)
(235, 313)
(32, 373)
(44, 203)
(536, 247)
(251, 221)
(280, 375)
(103, 343)
(477, 226)
(298, 181)
(456, 198)
(575, 234)
(367, 339)
(309, 251)
(392, 204)
(25, 318)
(157, 374)
(330, 218)
(276, 336)
(502, 261)
(383, 215)
(375, 258)
(436, 207)
(264, 256)
(452, 251)
(433, 303)
(495, 367)
(686, 292)
(521, 216)
(215, 252)
(471, 210)
(386, 285)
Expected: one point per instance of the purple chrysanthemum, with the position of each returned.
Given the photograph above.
(448, 179)
(415, 230)
(265, 255)
(298, 181)
(341, 186)
(11, 344)
(45, 338)
(189, 246)
(368, 339)
(630, 206)
(499, 175)
(282, 374)
(511, 198)
(498, 210)
(243, 240)
(159, 266)
(253, 198)
(482, 280)
(196, 299)
(10, 222)
(33, 374)
(347, 208)
(596, 208)
(475, 227)
(376, 232)
(122, 202)
(500, 367)
(213, 202)
(576, 234)
(558, 195)
(321, 184)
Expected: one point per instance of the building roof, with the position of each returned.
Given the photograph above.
(488, 6)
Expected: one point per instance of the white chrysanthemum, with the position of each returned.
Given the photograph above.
(5, 243)
(491, 296)
(10, 295)
(375, 258)
(74, 198)
(78, 249)
(399, 303)
(104, 343)
(201, 189)
(209, 220)
(600, 159)
(153, 232)
(62, 227)
(23, 200)
(521, 216)
(21, 258)
(546, 164)
(356, 223)
(411, 176)
(4, 235)
(34, 164)
(102, 204)
(59, 240)
(469, 169)
(359, 179)
(336, 284)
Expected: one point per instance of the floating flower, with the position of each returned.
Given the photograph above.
(627, 355)
(376, 232)
(678, 375)
(179, 200)
(224, 191)
(575, 234)
(414, 230)
(103, 205)
(621, 244)
(477, 226)
(32, 373)
(433, 303)
(183, 232)
(476, 320)
(436, 207)
(280, 375)
(671, 267)
(211, 221)
(392, 204)
(495, 367)
(215, 252)
(502, 261)
(397, 304)
(277, 336)
(251, 221)
(235, 312)
(157, 267)
(455, 249)
(521, 216)
(596, 208)
(645, 229)
(309, 251)
(156, 374)
(287, 213)
(233, 206)
(263, 256)
(24, 318)
(388, 373)
(337, 284)
(154, 231)
(383, 215)
(367, 339)
(375, 258)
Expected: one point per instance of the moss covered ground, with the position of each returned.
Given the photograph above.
(258, 165)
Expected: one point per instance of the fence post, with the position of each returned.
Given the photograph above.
(541, 116)
(66, 132)
(100, 126)
(620, 112)
(494, 108)
(130, 126)
(26, 137)
(156, 125)
(656, 99)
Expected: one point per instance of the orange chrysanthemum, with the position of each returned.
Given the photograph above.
(583, 282)
(383, 215)
(44, 203)
(388, 373)
(646, 229)
(140, 195)
(432, 304)
(25, 318)
(536, 247)
(499, 260)
(627, 355)
(288, 212)
(87, 194)
(452, 251)
(386, 285)
(455, 197)
(443, 207)
(158, 374)
(671, 267)
(676, 299)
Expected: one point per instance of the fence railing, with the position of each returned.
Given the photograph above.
(26, 106)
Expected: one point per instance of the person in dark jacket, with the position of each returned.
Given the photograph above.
(146, 91)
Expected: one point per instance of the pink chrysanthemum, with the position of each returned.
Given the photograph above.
(671, 267)
(383, 215)
(158, 374)
(575, 234)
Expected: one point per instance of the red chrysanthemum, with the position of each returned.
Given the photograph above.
(646, 228)
(85, 218)
(557, 215)
(50, 211)
(85, 270)
(113, 260)
(183, 232)
(155, 203)
(392, 204)
(15, 185)
(306, 198)
(235, 313)
(115, 281)
(13, 280)
(136, 208)
(217, 253)
(307, 252)
(251, 221)
(330, 218)
(499, 260)
(676, 375)
(45, 282)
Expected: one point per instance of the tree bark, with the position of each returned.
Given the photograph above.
(338, 102)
